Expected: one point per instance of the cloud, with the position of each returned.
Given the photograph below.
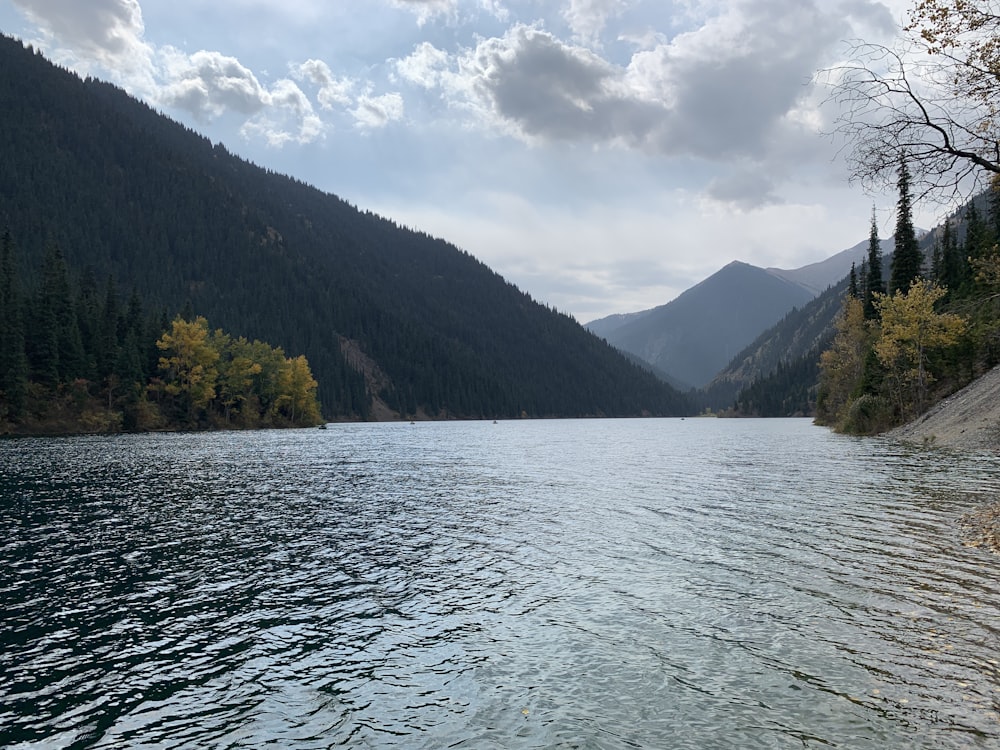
(425, 10)
(289, 117)
(332, 90)
(377, 111)
(587, 18)
(210, 84)
(745, 189)
(206, 84)
(536, 86)
(104, 28)
(110, 35)
(425, 66)
(734, 86)
(102, 33)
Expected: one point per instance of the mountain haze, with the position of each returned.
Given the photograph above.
(776, 374)
(693, 336)
(817, 277)
(393, 321)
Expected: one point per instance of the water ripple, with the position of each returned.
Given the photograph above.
(605, 584)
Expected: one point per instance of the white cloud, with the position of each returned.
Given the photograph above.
(105, 35)
(722, 90)
(587, 18)
(425, 10)
(206, 84)
(425, 66)
(289, 117)
(210, 84)
(377, 111)
(332, 90)
(109, 36)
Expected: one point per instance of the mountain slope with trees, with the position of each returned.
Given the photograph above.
(388, 317)
(693, 336)
(76, 357)
(931, 118)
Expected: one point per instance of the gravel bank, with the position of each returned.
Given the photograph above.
(966, 420)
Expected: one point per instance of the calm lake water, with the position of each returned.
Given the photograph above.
(545, 584)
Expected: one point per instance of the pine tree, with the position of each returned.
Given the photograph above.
(977, 234)
(13, 362)
(953, 269)
(57, 313)
(852, 286)
(907, 260)
(874, 283)
(993, 204)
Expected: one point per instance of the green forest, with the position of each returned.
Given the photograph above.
(906, 339)
(76, 356)
(394, 323)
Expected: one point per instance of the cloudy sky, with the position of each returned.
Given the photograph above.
(604, 155)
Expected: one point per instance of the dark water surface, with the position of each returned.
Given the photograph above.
(564, 584)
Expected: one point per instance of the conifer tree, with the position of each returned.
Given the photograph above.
(907, 260)
(57, 314)
(993, 206)
(874, 284)
(13, 363)
(977, 239)
(952, 271)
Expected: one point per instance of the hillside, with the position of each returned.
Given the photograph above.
(795, 341)
(695, 335)
(391, 320)
(777, 374)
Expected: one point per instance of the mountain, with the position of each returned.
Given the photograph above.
(392, 321)
(605, 327)
(693, 336)
(776, 374)
(800, 335)
(816, 277)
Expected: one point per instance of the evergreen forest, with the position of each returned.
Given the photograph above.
(394, 323)
(77, 356)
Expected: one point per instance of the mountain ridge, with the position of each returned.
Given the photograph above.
(694, 335)
(127, 192)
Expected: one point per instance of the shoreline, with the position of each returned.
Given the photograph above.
(968, 419)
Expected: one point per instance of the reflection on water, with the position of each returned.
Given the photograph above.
(597, 584)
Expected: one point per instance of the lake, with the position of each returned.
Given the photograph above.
(671, 583)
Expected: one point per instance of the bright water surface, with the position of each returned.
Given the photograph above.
(558, 584)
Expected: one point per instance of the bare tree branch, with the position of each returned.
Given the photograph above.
(934, 100)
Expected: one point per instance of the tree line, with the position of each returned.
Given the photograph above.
(77, 356)
(126, 191)
(932, 324)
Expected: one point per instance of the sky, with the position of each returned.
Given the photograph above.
(602, 155)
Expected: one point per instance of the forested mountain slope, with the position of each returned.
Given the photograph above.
(381, 312)
(693, 336)
(776, 375)
(800, 335)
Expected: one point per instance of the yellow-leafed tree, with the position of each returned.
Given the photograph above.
(911, 329)
(189, 364)
(842, 365)
(298, 392)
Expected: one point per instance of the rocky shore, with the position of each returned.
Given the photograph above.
(981, 527)
(967, 420)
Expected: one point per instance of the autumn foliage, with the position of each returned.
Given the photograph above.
(209, 376)
(75, 358)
